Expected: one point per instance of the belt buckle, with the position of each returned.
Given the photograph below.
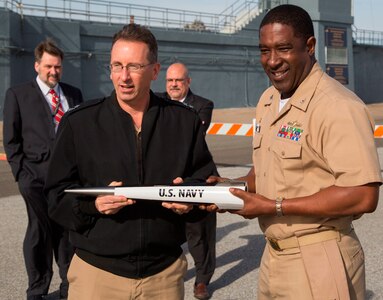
(274, 244)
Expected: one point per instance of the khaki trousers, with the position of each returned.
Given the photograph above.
(331, 270)
(87, 282)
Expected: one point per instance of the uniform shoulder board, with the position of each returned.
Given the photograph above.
(85, 105)
(188, 105)
(73, 108)
(182, 104)
(168, 101)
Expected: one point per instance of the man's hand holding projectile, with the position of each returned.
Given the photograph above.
(178, 208)
(110, 204)
(213, 207)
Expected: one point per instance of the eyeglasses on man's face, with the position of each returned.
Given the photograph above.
(175, 80)
(117, 68)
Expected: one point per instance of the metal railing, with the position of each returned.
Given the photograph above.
(242, 13)
(367, 37)
(121, 13)
(229, 21)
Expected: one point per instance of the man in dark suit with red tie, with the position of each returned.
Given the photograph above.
(32, 112)
(201, 236)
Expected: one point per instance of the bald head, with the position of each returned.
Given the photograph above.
(177, 81)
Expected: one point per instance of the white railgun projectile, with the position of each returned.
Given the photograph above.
(218, 194)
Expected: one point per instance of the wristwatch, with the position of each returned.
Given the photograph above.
(278, 206)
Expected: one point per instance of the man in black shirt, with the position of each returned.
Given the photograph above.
(127, 248)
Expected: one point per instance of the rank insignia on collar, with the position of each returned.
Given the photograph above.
(290, 132)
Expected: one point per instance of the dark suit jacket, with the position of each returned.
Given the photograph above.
(202, 106)
(28, 129)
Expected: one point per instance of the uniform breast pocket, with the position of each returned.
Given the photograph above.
(288, 156)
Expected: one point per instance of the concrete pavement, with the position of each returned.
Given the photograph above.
(239, 247)
(239, 242)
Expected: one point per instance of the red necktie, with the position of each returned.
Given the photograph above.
(58, 112)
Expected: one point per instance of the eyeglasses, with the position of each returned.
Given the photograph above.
(117, 68)
(176, 80)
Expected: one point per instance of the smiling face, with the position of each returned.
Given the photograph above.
(132, 88)
(286, 59)
(49, 69)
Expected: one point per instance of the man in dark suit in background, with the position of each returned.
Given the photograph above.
(178, 88)
(32, 112)
(201, 236)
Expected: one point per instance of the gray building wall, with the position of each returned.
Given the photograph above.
(368, 61)
(224, 68)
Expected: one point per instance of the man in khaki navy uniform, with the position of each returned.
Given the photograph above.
(315, 169)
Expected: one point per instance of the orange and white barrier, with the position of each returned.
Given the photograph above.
(237, 129)
(378, 133)
(230, 129)
(247, 129)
